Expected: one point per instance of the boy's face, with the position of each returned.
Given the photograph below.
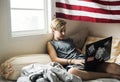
(59, 34)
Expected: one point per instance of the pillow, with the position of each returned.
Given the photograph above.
(79, 37)
(117, 60)
(11, 68)
(115, 50)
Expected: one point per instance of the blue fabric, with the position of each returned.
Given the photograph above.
(66, 49)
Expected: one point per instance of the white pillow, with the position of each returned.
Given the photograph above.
(117, 60)
(11, 68)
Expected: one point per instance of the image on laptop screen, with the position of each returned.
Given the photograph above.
(97, 52)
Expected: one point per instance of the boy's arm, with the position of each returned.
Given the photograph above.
(53, 55)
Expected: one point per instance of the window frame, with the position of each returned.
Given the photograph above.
(47, 13)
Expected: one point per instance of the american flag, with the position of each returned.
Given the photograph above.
(100, 11)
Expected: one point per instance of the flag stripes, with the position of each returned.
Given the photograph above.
(84, 8)
(106, 2)
(89, 10)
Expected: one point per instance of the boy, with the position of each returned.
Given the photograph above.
(63, 51)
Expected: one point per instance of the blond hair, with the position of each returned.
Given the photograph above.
(58, 24)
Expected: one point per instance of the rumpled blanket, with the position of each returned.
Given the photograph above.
(52, 72)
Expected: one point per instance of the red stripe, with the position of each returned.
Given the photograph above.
(86, 18)
(89, 9)
(112, 3)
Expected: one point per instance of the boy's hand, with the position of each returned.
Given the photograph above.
(78, 61)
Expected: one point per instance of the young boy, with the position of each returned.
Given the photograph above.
(63, 51)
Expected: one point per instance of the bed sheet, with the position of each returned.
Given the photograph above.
(97, 80)
(103, 80)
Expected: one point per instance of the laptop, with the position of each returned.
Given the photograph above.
(97, 53)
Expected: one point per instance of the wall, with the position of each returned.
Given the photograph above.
(101, 29)
(105, 29)
(10, 46)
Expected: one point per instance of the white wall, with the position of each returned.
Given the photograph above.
(105, 29)
(10, 46)
(36, 44)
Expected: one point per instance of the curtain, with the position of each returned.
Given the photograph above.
(99, 11)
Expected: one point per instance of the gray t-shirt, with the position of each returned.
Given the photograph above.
(65, 48)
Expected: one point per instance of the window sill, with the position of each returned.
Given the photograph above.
(28, 33)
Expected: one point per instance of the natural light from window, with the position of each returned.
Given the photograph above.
(28, 15)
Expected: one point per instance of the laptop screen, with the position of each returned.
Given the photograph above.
(98, 51)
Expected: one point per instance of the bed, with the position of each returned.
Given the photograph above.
(11, 68)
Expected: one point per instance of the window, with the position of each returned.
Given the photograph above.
(28, 17)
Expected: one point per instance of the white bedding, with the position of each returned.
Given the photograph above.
(59, 66)
(103, 80)
(24, 79)
(98, 80)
